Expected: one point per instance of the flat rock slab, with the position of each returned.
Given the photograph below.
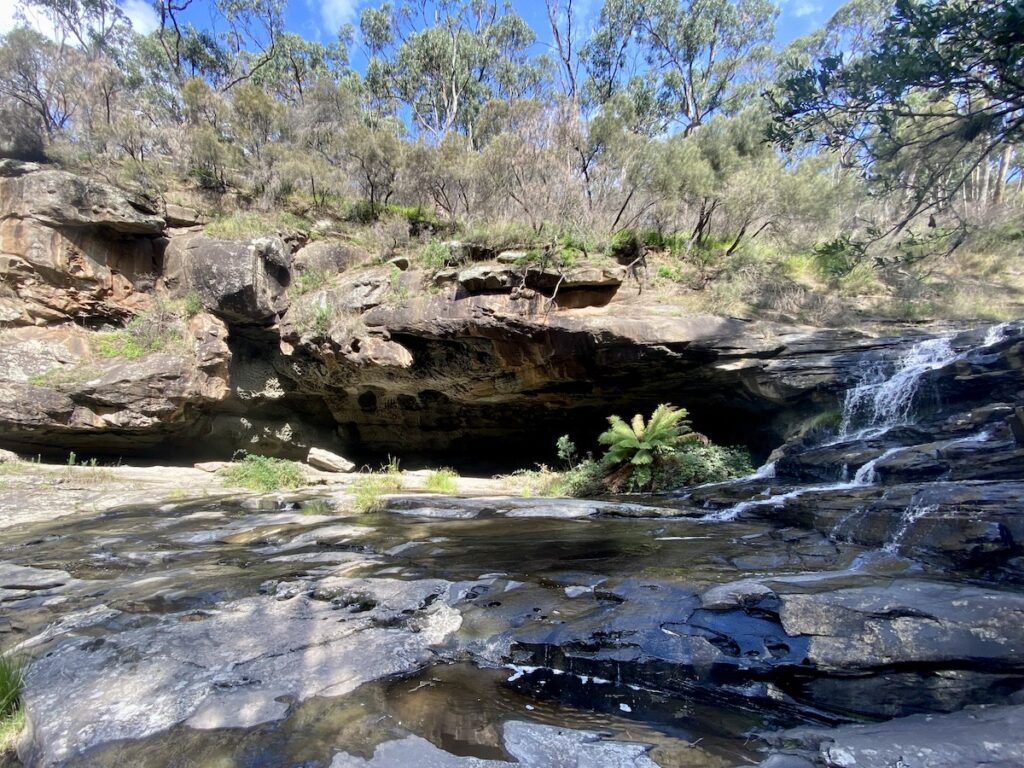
(531, 745)
(983, 737)
(908, 621)
(234, 667)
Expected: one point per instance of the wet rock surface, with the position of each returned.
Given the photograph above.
(238, 619)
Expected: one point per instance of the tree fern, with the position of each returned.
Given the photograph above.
(640, 444)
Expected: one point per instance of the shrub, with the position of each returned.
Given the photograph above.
(837, 258)
(192, 305)
(436, 255)
(264, 473)
(323, 319)
(443, 480)
(697, 463)
(566, 450)
(585, 479)
(626, 245)
(542, 481)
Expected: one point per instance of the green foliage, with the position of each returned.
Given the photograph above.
(264, 473)
(192, 305)
(369, 489)
(11, 683)
(310, 280)
(639, 444)
(697, 463)
(837, 258)
(243, 225)
(443, 480)
(936, 91)
(323, 318)
(675, 274)
(436, 255)
(826, 422)
(153, 331)
(398, 291)
(566, 449)
(542, 481)
(626, 245)
(126, 344)
(316, 507)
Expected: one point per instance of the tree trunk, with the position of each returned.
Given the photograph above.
(1001, 180)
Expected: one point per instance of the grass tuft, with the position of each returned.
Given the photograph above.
(443, 480)
(12, 717)
(369, 489)
(263, 473)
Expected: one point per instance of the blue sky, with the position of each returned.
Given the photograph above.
(320, 19)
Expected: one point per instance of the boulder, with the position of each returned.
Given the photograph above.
(486, 277)
(243, 282)
(61, 200)
(327, 256)
(908, 622)
(182, 216)
(329, 462)
(118, 405)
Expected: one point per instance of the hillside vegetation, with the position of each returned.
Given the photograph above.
(871, 166)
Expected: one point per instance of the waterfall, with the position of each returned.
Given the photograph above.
(883, 401)
(885, 397)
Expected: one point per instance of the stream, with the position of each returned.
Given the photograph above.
(480, 632)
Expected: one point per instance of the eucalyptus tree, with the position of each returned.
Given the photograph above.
(38, 95)
(444, 59)
(93, 26)
(682, 60)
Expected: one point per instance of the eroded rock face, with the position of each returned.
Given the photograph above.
(452, 371)
(61, 394)
(72, 247)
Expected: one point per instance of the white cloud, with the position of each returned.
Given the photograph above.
(142, 15)
(14, 15)
(802, 9)
(334, 13)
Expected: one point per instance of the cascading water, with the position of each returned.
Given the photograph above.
(883, 400)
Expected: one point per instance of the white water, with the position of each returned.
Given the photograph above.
(879, 403)
(866, 474)
(911, 515)
(995, 334)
